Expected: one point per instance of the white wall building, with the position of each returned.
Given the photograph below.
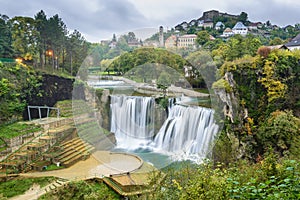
(240, 28)
(186, 41)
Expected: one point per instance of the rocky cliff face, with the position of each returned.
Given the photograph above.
(232, 108)
(234, 111)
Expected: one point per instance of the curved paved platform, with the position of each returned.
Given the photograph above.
(117, 163)
(100, 164)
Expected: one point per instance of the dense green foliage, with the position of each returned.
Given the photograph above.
(281, 132)
(42, 41)
(143, 56)
(19, 186)
(266, 85)
(264, 129)
(18, 83)
(82, 190)
(268, 179)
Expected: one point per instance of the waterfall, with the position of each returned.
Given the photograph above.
(132, 120)
(187, 133)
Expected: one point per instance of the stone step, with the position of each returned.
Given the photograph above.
(72, 151)
(73, 160)
(70, 156)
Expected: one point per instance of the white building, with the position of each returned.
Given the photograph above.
(171, 42)
(219, 25)
(240, 28)
(186, 41)
(227, 33)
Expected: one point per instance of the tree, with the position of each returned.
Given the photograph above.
(41, 26)
(280, 131)
(6, 50)
(77, 49)
(25, 37)
(58, 32)
(243, 17)
(202, 37)
(131, 36)
(276, 41)
(163, 82)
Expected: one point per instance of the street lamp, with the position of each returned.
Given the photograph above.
(56, 62)
(51, 54)
(19, 60)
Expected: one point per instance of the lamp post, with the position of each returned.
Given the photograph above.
(19, 60)
(56, 62)
(51, 54)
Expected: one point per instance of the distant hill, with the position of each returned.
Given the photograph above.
(211, 19)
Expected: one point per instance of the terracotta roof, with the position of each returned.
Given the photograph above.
(188, 36)
(227, 30)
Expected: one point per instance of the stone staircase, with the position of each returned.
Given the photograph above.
(58, 143)
(54, 185)
(30, 155)
(72, 151)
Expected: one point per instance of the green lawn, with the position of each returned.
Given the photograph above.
(19, 186)
(17, 129)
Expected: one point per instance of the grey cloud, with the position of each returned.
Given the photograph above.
(112, 15)
(277, 12)
(102, 18)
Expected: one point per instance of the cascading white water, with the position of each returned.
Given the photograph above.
(187, 133)
(132, 120)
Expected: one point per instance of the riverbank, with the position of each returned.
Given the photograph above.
(151, 89)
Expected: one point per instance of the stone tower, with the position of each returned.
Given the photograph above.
(161, 36)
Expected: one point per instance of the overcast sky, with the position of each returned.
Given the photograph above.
(99, 19)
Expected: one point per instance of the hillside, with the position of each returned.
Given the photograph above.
(216, 22)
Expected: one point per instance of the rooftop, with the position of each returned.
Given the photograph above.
(239, 25)
(294, 42)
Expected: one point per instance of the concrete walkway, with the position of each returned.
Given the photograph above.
(172, 90)
(98, 165)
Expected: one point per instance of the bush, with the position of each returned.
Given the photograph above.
(268, 179)
(281, 132)
(19, 186)
(82, 190)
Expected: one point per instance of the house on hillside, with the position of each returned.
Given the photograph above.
(219, 25)
(187, 41)
(294, 43)
(227, 33)
(209, 23)
(184, 25)
(171, 42)
(134, 43)
(193, 22)
(253, 26)
(105, 42)
(240, 28)
(112, 44)
(200, 22)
